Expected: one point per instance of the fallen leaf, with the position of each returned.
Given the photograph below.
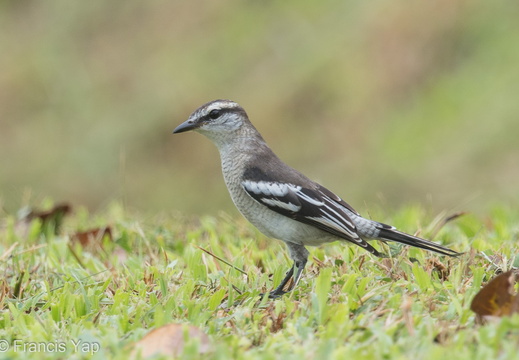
(497, 298)
(170, 340)
(50, 219)
(92, 236)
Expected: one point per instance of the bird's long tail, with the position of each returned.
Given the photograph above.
(391, 234)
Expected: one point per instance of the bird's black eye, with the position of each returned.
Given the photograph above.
(214, 114)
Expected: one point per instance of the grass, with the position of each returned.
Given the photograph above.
(349, 304)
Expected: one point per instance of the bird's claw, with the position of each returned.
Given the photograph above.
(274, 294)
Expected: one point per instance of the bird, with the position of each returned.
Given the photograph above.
(280, 201)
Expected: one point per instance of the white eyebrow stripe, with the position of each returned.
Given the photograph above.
(221, 105)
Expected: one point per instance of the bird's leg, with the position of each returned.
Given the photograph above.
(277, 292)
(300, 266)
(299, 254)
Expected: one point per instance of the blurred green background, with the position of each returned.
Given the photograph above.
(384, 102)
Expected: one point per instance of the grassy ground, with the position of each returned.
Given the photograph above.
(349, 305)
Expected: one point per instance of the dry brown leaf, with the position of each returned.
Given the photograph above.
(57, 210)
(92, 236)
(50, 219)
(497, 298)
(169, 340)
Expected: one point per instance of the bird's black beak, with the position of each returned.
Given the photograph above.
(185, 126)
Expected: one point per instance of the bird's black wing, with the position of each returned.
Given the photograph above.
(317, 207)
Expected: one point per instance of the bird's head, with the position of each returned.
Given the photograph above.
(216, 119)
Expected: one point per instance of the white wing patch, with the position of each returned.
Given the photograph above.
(274, 193)
(281, 204)
(269, 188)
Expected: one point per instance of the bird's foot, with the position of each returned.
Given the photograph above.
(274, 294)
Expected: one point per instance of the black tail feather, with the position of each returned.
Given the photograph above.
(401, 237)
